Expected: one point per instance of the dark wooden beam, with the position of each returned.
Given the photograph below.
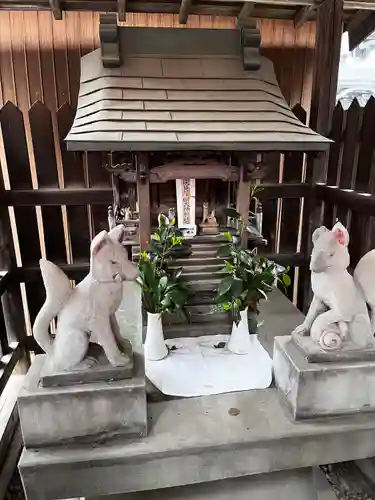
(284, 191)
(270, 8)
(360, 27)
(245, 12)
(184, 11)
(143, 191)
(56, 9)
(288, 259)
(56, 197)
(121, 10)
(329, 27)
(363, 203)
(75, 271)
(243, 199)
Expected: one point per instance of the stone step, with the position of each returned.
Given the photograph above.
(198, 261)
(208, 285)
(202, 253)
(205, 246)
(208, 238)
(201, 268)
(199, 314)
(203, 298)
(194, 276)
(197, 329)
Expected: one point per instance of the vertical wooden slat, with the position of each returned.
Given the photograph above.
(61, 61)
(74, 57)
(348, 172)
(47, 59)
(365, 178)
(290, 209)
(12, 314)
(366, 153)
(78, 217)
(18, 48)
(17, 159)
(97, 176)
(335, 159)
(270, 207)
(46, 167)
(73, 171)
(46, 170)
(32, 57)
(8, 84)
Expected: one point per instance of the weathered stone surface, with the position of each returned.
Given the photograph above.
(102, 370)
(313, 353)
(311, 390)
(129, 314)
(87, 412)
(286, 485)
(197, 440)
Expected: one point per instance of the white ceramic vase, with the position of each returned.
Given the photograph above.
(155, 348)
(240, 340)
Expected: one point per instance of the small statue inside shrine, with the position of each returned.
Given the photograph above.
(209, 223)
(171, 214)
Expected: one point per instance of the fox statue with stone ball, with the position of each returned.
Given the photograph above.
(339, 316)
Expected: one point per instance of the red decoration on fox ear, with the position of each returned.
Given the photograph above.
(340, 236)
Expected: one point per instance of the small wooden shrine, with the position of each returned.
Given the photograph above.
(188, 118)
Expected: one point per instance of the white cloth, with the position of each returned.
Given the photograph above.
(196, 368)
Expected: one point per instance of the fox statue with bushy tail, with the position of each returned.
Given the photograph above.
(85, 313)
(338, 313)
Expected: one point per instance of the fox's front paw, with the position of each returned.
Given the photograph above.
(301, 330)
(120, 360)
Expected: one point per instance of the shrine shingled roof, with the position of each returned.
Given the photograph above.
(179, 89)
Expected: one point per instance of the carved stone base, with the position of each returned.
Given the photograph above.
(312, 390)
(101, 369)
(208, 229)
(313, 353)
(89, 412)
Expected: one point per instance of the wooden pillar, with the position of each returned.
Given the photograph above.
(243, 198)
(329, 25)
(143, 192)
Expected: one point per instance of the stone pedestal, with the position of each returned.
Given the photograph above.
(312, 390)
(84, 412)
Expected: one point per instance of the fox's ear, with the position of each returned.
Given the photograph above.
(98, 243)
(318, 232)
(341, 234)
(117, 233)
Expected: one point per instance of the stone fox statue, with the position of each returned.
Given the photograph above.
(338, 312)
(86, 313)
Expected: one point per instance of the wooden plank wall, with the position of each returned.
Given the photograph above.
(351, 168)
(39, 57)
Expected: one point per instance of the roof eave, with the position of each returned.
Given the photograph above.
(304, 147)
